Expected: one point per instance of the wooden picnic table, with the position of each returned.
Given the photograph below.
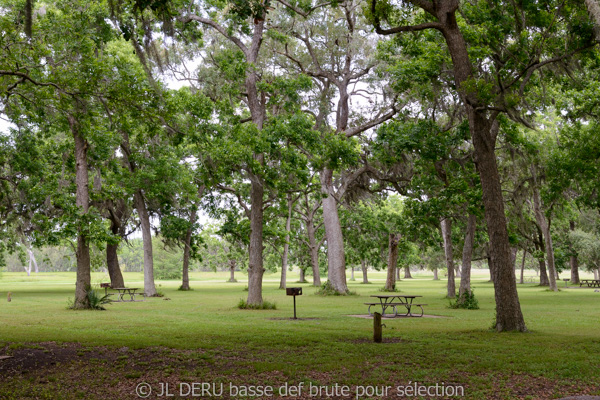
(589, 282)
(131, 292)
(394, 300)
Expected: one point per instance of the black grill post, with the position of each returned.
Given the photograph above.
(294, 291)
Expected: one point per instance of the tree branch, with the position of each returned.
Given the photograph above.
(297, 10)
(205, 21)
(25, 77)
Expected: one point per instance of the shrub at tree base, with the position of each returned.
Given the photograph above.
(265, 305)
(467, 301)
(327, 289)
(393, 289)
(95, 300)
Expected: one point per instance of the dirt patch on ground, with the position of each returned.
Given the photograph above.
(71, 371)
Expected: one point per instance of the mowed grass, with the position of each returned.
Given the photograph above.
(330, 346)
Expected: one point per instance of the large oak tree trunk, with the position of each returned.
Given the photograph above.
(508, 309)
(435, 274)
(112, 264)
(467, 256)
(286, 245)
(255, 266)
(596, 274)
(140, 205)
(257, 109)
(82, 201)
(407, 274)
(545, 227)
(112, 259)
(336, 272)
(393, 240)
(446, 227)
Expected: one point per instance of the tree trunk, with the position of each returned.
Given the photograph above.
(446, 226)
(33, 260)
(187, 248)
(140, 205)
(596, 273)
(232, 264)
(513, 255)
(508, 309)
(545, 226)
(435, 274)
(467, 256)
(352, 274)
(363, 267)
(112, 264)
(314, 253)
(286, 245)
(544, 281)
(302, 276)
(112, 258)
(336, 272)
(82, 201)
(115, 215)
(257, 190)
(522, 280)
(390, 283)
(407, 274)
(573, 260)
(255, 266)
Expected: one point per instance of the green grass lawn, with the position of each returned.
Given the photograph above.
(200, 336)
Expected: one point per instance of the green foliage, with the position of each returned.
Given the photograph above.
(168, 266)
(587, 245)
(265, 305)
(96, 300)
(467, 301)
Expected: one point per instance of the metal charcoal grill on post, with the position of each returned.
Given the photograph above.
(294, 291)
